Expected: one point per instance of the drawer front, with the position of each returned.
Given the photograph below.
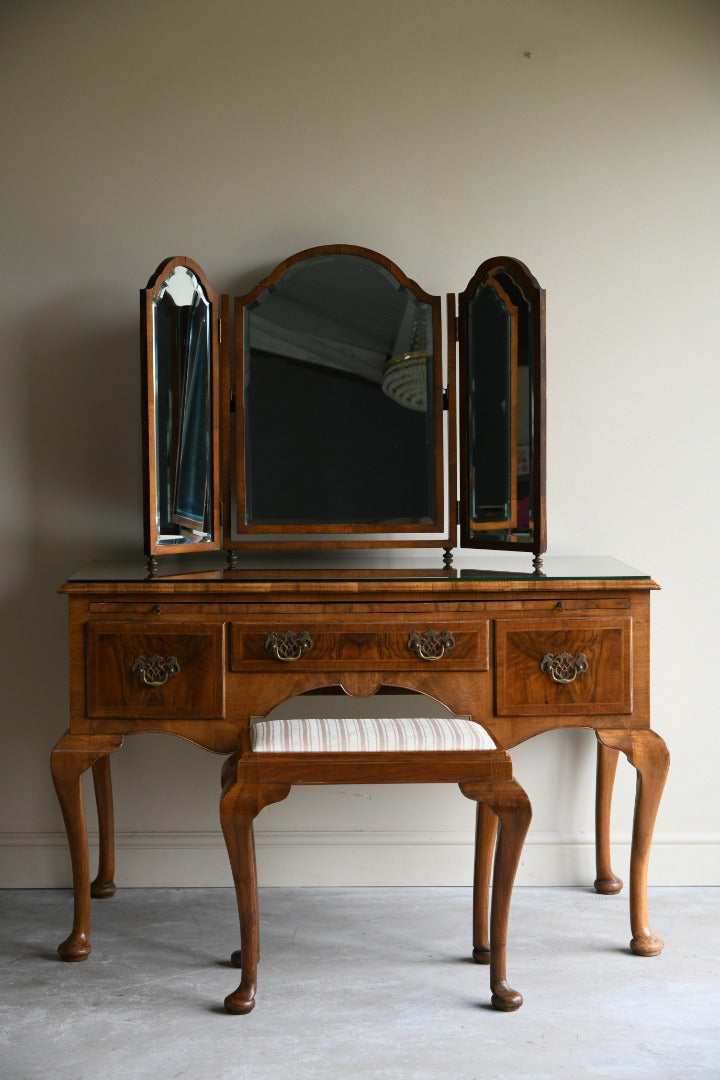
(453, 644)
(563, 666)
(141, 670)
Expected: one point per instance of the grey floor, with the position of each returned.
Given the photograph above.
(359, 983)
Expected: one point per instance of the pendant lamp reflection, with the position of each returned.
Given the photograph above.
(405, 375)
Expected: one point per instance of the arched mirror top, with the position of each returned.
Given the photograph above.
(342, 255)
(179, 276)
(500, 268)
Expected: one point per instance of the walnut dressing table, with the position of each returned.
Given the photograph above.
(335, 408)
(197, 654)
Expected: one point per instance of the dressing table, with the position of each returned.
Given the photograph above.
(270, 476)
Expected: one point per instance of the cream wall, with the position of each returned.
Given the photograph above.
(240, 132)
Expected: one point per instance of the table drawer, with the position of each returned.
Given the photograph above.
(145, 670)
(559, 667)
(370, 645)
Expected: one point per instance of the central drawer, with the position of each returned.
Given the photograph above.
(372, 644)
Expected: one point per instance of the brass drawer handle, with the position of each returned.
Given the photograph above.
(563, 668)
(288, 645)
(155, 670)
(431, 644)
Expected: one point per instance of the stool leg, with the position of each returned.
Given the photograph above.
(239, 806)
(485, 837)
(507, 800)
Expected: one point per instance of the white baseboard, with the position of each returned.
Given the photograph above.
(41, 860)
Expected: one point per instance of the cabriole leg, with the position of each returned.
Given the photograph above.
(239, 806)
(104, 886)
(607, 758)
(485, 836)
(71, 757)
(509, 803)
(227, 779)
(647, 752)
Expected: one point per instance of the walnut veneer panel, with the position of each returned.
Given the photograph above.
(117, 687)
(522, 688)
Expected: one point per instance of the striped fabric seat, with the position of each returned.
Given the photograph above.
(369, 734)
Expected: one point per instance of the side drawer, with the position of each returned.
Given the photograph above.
(546, 667)
(427, 641)
(145, 670)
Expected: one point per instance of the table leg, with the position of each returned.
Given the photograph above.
(227, 779)
(72, 755)
(103, 886)
(509, 803)
(647, 752)
(606, 881)
(485, 837)
(239, 806)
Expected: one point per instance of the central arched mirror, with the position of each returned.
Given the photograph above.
(338, 400)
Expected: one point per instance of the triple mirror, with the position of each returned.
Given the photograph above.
(331, 423)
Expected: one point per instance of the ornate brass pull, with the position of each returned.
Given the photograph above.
(431, 644)
(155, 670)
(288, 645)
(563, 668)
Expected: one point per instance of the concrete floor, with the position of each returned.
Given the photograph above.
(359, 983)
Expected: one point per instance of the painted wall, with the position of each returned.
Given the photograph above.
(582, 137)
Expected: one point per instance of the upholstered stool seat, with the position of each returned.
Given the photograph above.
(367, 734)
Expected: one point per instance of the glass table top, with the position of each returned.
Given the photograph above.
(337, 566)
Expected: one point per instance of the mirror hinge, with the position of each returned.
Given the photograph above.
(457, 512)
(446, 399)
(220, 331)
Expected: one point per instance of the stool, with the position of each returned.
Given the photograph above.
(284, 749)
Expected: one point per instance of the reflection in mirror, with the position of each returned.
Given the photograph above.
(339, 400)
(181, 325)
(501, 320)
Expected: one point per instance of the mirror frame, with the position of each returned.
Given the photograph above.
(242, 535)
(148, 295)
(535, 296)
